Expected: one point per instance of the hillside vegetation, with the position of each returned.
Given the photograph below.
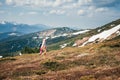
(100, 61)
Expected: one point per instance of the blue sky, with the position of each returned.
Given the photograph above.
(59, 13)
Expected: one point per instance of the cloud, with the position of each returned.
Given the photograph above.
(66, 7)
(63, 3)
(77, 4)
(81, 12)
(9, 2)
(32, 13)
(28, 13)
(58, 12)
(102, 9)
(40, 3)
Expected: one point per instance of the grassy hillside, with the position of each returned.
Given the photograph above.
(92, 62)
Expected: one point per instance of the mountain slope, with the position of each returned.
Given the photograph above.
(8, 35)
(21, 28)
(106, 32)
(57, 38)
(92, 62)
(33, 40)
(105, 35)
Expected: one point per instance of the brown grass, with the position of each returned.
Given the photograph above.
(102, 63)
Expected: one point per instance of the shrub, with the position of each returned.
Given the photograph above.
(30, 50)
(52, 65)
(40, 72)
(7, 59)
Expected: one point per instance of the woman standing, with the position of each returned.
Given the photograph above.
(43, 47)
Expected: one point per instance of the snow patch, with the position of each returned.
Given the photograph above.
(1, 56)
(112, 25)
(74, 45)
(103, 35)
(34, 37)
(12, 34)
(63, 45)
(46, 37)
(65, 34)
(80, 32)
(55, 36)
(99, 30)
(20, 53)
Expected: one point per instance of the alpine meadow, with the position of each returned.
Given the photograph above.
(59, 40)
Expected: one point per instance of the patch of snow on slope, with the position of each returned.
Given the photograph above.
(103, 35)
(112, 25)
(99, 30)
(63, 45)
(12, 34)
(47, 37)
(34, 37)
(80, 32)
(74, 45)
(1, 56)
(55, 36)
(65, 34)
(20, 53)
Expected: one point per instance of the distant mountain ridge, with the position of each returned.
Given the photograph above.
(34, 39)
(23, 28)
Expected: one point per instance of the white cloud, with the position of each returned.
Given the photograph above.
(101, 9)
(71, 6)
(32, 13)
(81, 12)
(41, 3)
(84, 2)
(59, 12)
(68, 7)
(28, 13)
(77, 4)
(9, 2)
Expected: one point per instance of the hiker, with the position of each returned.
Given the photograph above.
(43, 47)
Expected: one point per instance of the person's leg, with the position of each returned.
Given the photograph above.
(41, 51)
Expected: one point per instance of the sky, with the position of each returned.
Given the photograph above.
(61, 13)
